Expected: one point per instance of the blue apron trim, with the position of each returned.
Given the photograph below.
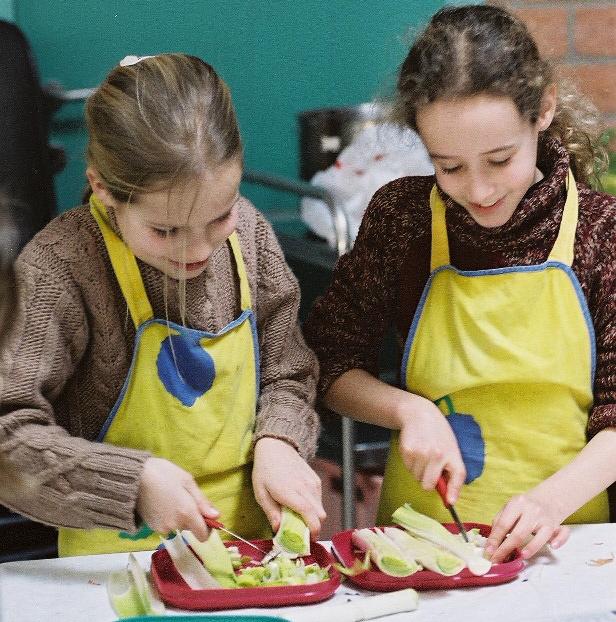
(191, 335)
(471, 273)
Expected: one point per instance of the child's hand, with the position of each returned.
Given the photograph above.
(428, 446)
(170, 499)
(280, 476)
(530, 521)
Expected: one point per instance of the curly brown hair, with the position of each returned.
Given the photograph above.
(482, 49)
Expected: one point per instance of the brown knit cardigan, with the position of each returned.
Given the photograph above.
(70, 348)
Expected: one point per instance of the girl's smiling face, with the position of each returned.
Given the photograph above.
(177, 230)
(484, 152)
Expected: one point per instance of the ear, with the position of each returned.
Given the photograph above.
(99, 188)
(548, 108)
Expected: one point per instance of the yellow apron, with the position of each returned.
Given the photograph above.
(508, 355)
(190, 397)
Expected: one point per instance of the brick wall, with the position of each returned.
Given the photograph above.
(580, 36)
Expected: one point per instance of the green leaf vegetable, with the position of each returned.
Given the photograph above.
(425, 553)
(384, 553)
(214, 555)
(219, 562)
(131, 593)
(422, 526)
(293, 535)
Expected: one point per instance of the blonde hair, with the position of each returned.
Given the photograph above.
(164, 119)
(482, 49)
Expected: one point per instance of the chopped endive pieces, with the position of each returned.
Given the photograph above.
(188, 566)
(384, 553)
(215, 557)
(423, 526)
(429, 555)
(293, 535)
(282, 571)
(357, 568)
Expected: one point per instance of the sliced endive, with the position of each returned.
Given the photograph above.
(429, 555)
(293, 535)
(188, 566)
(384, 553)
(423, 526)
(214, 555)
(131, 593)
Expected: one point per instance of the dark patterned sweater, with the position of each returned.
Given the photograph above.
(378, 284)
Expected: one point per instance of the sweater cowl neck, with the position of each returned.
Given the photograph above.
(536, 217)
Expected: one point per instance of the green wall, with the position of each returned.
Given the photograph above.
(6, 10)
(278, 56)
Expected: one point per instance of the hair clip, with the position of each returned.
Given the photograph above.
(132, 60)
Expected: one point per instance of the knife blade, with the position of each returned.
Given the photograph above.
(214, 524)
(441, 488)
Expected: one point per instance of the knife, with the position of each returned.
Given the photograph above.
(145, 531)
(214, 524)
(441, 487)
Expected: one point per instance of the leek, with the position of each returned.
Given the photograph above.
(384, 553)
(357, 568)
(423, 526)
(214, 555)
(131, 594)
(293, 535)
(282, 571)
(188, 566)
(425, 553)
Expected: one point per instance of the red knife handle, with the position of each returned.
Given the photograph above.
(212, 522)
(441, 488)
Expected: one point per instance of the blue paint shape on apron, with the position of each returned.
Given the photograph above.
(186, 370)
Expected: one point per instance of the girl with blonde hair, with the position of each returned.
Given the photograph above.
(155, 372)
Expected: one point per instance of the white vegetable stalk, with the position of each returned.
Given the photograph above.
(384, 553)
(293, 535)
(425, 553)
(423, 526)
(362, 608)
(188, 566)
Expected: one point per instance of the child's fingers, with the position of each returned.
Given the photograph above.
(270, 507)
(454, 485)
(311, 510)
(560, 536)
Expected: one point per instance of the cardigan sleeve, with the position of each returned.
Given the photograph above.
(288, 368)
(49, 474)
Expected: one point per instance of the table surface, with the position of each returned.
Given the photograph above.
(567, 584)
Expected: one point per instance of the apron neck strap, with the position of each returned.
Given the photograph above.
(562, 250)
(440, 244)
(563, 247)
(124, 265)
(241, 271)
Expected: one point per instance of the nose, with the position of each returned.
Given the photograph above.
(193, 248)
(480, 189)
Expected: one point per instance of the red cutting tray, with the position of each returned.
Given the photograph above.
(176, 593)
(375, 580)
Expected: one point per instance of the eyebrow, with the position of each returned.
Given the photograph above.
(439, 156)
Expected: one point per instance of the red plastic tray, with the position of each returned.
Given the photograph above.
(375, 580)
(175, 592)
